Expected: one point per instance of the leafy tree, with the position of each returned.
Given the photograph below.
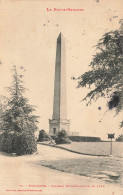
(106, 71)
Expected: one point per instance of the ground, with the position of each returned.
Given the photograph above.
(23, 173)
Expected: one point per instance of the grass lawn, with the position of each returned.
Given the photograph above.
(95, 167)
(95, 148)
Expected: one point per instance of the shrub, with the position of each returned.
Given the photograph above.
(43, 136)
(84, 139)
(62, 138)
(1, 141)
(8, 142)
(26, 143)
(19, 143)
(120, 138)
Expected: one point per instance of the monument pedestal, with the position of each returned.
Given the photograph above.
(57, 125)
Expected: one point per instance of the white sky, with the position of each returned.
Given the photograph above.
(28, 36)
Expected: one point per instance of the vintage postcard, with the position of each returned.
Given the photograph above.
(61, 97)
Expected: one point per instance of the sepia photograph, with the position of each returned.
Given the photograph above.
(61, 97)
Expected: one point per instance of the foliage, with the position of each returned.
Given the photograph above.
(43, 136)
(89, 166)
(17, 117)
(18, 113)
(26, 143)
(19, 143)
(106, 73)
(120, 138)
(84, 139)
(121, 124)
(2, 140)
(0, 114)
(62, 138)
(8, 142)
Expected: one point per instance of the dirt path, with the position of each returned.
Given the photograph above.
(19, 173)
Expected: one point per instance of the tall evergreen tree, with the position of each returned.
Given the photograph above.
(17, 121)
(18, 115)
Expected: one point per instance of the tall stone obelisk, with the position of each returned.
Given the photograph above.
(59, 119)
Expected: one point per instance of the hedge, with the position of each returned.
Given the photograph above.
(82, 138)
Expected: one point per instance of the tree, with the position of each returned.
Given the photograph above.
(106, 71)
(43, 136)
(17, 115)
(62, 138)
(0, 113)
(120, 138)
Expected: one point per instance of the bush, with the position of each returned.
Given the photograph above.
(84, 139)
(2, 138)
(120, 138)
(19, 143)
(26, 143)
(62, 138)
(8, 142)
(43, 136)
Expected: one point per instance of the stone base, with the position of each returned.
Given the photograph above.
(56, 125)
